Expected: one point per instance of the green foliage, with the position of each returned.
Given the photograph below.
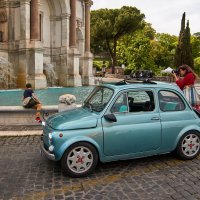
(197, 65)
(163, 50)
(139, 48)
(109, 25)
(134, 52)
(127, 71)
(99, 63)
(183, 53)
(195, 42)
(139, 52)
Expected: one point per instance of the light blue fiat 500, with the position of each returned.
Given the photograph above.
(122, 121)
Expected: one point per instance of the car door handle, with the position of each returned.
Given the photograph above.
(155, 118)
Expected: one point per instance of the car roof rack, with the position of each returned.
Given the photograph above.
(128, 81)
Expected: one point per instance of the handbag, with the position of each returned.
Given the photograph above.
(192, 95)
(29, 102)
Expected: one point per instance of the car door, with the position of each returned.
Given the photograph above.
(137, 128)
(175, 115)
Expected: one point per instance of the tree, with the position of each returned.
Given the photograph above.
(140, 51)
(163, 50)
(197, 65)
(183, 53)
(134, 50)
(195, 42)
(109, 25)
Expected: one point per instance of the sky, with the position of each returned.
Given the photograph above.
(164, 15)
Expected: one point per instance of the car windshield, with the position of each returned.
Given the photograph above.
(98, 99)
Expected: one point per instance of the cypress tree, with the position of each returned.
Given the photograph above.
(183, 53)
(182, 25)
(188, 59)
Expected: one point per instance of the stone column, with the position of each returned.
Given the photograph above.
(88, 4)
(73, 78)
(63, 71)
(35, 20)
(24, 20)
(35, 74)
(72, 37)
(87, 67)
(24, 39)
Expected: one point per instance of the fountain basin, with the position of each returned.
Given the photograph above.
(49, 96)
(13, 113)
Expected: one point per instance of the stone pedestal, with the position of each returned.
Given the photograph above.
(73, 77)
(87, 69)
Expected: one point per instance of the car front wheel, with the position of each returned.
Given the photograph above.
(189, 145)
(79, 160)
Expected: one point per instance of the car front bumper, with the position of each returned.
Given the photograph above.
(46, 153)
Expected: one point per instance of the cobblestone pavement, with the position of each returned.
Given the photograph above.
(24, 174)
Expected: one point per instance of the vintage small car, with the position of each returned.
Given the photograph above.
(122, 121)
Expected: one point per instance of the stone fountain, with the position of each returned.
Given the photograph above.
(7, 75)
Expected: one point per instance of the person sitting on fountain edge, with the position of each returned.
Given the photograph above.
(30, 100)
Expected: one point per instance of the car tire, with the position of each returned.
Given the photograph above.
(79, 160)
(189, 145)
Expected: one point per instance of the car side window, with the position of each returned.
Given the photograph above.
(170, 101)
(141, 100)
(120, 105)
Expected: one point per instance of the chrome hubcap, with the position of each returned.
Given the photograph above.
(80, 159)
(190, 145)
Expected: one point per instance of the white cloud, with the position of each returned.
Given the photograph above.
(164, 15)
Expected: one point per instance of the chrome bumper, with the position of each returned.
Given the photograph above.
(43, 151)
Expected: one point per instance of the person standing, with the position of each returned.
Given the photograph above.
(189, 77)
(185, 78)
(30, 100)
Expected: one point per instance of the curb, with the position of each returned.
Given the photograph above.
(20, 133)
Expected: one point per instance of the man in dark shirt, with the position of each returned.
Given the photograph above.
(37, 105)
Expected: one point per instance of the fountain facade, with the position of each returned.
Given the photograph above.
(7, 75)
(34, 32)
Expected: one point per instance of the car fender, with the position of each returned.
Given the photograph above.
(74, 140)
(183, 131)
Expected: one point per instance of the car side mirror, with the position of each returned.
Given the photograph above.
(110, 117)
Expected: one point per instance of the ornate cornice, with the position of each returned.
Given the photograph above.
(88, 2)
(65, 16)
(13, 3)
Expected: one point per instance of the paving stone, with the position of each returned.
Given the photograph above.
(24, 174)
